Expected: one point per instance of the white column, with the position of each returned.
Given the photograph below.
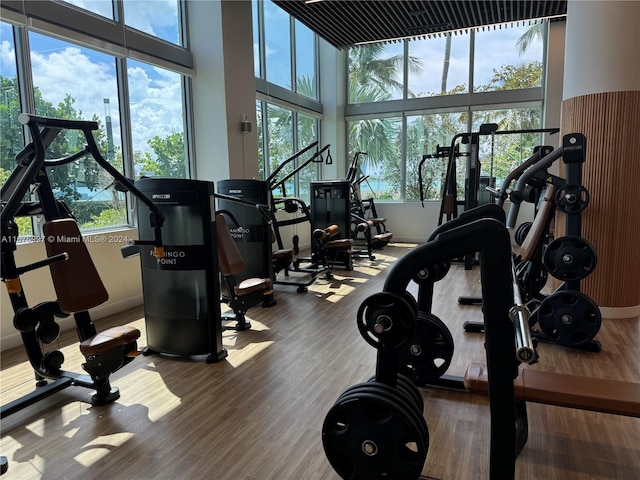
(224, 91)
(601, 99)
(602, 47)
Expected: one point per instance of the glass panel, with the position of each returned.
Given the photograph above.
(159, 18)
(425, 133)
(439, 66)
(503, 153)
(280, 144)
(509, 58)
(78, 83)
(305, 62)
(380, 138)
(375, 72)
(277, 33)
(307, 134)
(11, 139)
(157, 121)
(256, 39)
(261, 165)
(100, 7)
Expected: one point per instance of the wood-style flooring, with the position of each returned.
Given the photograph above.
(257, 415)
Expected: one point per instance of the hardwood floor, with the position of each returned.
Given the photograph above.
(258, 414)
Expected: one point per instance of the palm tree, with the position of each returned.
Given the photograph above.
(445, 63)
(373, 78)
(534, 32)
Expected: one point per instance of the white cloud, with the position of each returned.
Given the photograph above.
(156, 104)
(149, 15)
(7, 59)
(101, 7)
(155, 94)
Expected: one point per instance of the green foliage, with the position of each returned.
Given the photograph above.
(106, 218)
(373, 78)
(170, 157)
(86, 212)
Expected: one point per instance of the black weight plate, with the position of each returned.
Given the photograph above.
(521, 232)
(572, 199)
(411, 300)
(386, 319)
(395, 395)
(428, 355)
(367, 436)
(432, 273)
(569, 317)
(410, 389)
(570, 258)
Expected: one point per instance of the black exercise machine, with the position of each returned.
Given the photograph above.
(529, 267)
(366, 432)
(567, 316)
(368, 228)
(240, 293)
(318, 263)
(451, 206)
(76, 281)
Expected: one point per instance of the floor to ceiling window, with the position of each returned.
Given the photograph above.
(288, 107)
(139, 105)
(448, 84)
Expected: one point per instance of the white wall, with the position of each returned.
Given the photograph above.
(411, 223)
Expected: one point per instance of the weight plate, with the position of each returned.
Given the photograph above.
(396, 395)
(432, 273)
(572, 199)
(570, 258)
(411, 300)
(569, 317)
(386, 319)
(521, 232)
(410, 389)
(428, 355)
(367, 435)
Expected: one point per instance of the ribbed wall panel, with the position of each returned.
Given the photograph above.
(611, 123)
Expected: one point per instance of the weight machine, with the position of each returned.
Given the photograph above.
(427, 357)
(325, 249)
(450, 205)
(367, 227)
(76, 281)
